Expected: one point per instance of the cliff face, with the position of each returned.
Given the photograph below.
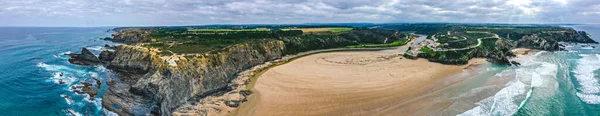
(170, 86)
(86, 58)
(150, 84)
(131, 36)
(536, 42)
(550, 40)
(570, 35)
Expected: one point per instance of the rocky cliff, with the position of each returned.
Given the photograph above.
(537, 42)
(154, 84)
(130, 36)
(86, 58)
(549, 40)
(172, 85)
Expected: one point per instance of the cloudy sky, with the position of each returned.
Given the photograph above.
(197, 12)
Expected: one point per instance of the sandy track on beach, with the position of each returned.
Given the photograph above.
(349, 83)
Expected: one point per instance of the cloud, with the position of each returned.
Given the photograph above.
(193, 12)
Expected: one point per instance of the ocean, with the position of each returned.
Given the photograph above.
(32, 60)
(548, 83)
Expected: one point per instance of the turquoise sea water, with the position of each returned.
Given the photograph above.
(547, 84)
(31, 61)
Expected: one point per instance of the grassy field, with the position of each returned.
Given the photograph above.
(393, 44)
(228, 30)
(317, 30)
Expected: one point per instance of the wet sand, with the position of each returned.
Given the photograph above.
(352, 83)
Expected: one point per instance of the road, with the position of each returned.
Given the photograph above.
(470, 47)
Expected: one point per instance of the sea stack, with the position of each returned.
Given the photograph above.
(86, 58)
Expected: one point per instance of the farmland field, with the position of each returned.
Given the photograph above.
(228, 30)
(316, 30)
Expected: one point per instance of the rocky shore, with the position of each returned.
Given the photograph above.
(152, 84)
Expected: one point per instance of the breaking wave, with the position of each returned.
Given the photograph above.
(584, 74)
(517, 92)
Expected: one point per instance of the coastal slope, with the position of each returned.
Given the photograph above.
(151, 82)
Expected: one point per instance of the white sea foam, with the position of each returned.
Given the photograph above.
(109, 113)
(69, 101)
(584, 74)
(62, 73)
(67, 52)
(589, 98)
(70, 111)
(62, 55)
(65, 78)
(59, 68)
(96, 48)
(536, 80)
(538, 53)
(530, 75)
(475, 91)
(502, 103)
(501, 74)
(97, 101)
(526, 98)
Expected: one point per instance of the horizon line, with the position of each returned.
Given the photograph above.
(311, 23)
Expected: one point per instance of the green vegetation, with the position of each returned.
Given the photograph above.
(322, 30)
(393, 44)
(336, 30)
(194, 40)
(455, 43)
(427, 51)
(464, 58)
(227, 30)
(408, 56)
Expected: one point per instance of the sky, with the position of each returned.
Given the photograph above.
(202, 12)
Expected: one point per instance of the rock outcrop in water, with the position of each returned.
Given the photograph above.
(86, 58)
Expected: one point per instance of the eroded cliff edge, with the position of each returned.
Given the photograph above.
(150, 83)
(172, 85)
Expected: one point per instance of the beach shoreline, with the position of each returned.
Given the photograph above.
(376, 98)
(227, 102)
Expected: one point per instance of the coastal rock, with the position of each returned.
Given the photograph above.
(106, 38)
(152, 81)
(130, 36)
(85, 89)
(171, 86)
(232, 103)
(60, 81)
(570, 35)
(86, 58)
(536, 42)
(515, 63)
(106, 56)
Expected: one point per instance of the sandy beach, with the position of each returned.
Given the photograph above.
(351, 83)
